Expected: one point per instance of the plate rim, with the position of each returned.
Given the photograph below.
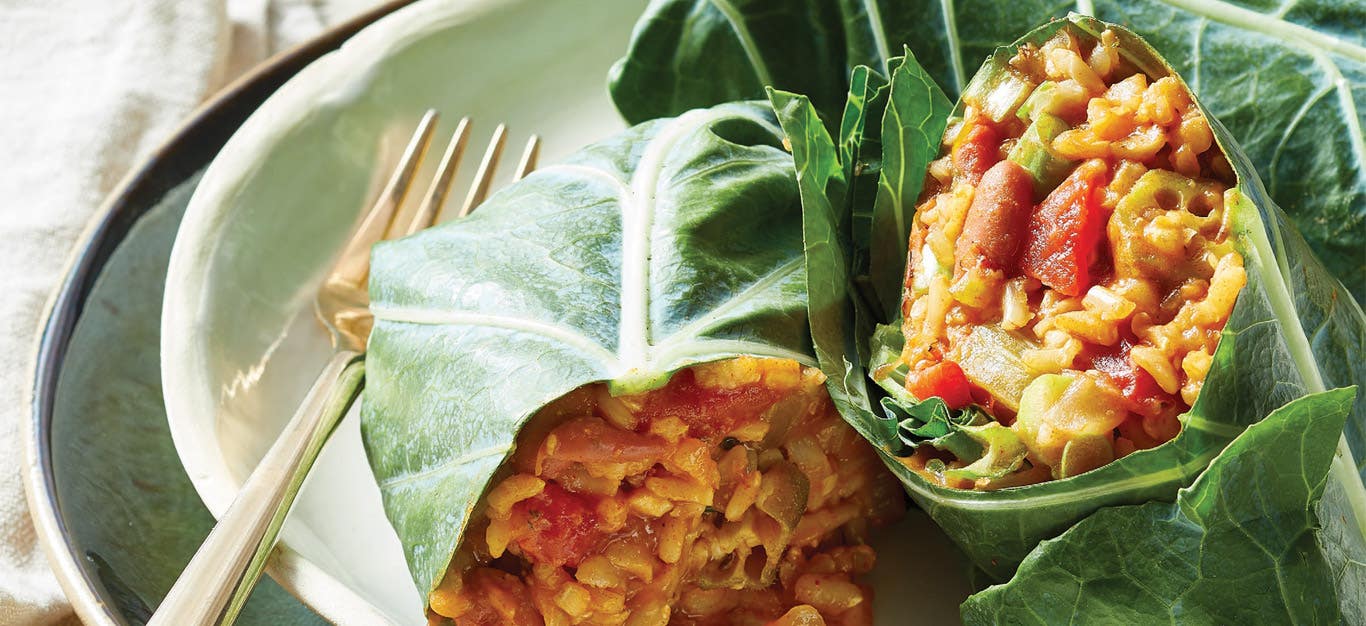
(102, 234)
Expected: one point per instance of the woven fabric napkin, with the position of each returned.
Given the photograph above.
(87, 89)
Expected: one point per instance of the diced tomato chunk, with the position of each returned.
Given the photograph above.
(1140, 390)
(1138, 386)
(1064, 232)
(710, 413)
(943, 380)
(563, 526)
(976, 150)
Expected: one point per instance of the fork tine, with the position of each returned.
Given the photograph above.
(479, 189)
(529, 154)
(441, 184)
(354, 264)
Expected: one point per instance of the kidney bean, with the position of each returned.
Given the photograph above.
(997, 219)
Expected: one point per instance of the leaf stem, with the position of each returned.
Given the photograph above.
(1278, 29)
(1345, 471)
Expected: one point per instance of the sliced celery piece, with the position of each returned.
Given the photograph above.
(1065, 420)
(1037, 101)
(996, 89)
(1003, 452)
(1034, 152)
(990, 358)
(1084, 454)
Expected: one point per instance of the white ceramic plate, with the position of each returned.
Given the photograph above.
(239, 344)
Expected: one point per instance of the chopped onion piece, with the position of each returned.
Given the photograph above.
(1110, 305)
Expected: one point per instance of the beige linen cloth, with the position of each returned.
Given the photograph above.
(87, 88)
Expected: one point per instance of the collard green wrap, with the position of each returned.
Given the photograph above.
(673, 243)
(1294, 332)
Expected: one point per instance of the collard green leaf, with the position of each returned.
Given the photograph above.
(912, 125)
(714, 51)
(860, 142)
(842, 215)
(1288, 78)
(1239, 546)
(932, 423)
(673, 243)
(860, 146)
(835, 333)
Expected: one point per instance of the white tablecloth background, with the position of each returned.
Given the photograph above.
(87, 88)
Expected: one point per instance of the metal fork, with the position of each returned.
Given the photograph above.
(215, 585)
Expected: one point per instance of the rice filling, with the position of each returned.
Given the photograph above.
(1071, 265)
(735, 494)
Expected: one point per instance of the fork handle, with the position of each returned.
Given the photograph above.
(215, 585)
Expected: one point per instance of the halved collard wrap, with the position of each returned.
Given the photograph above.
(593, 401)
(1099, 297)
